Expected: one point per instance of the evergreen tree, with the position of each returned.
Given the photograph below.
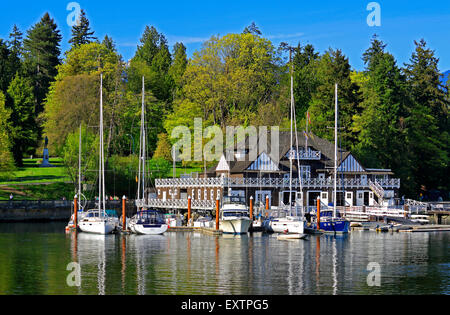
(252, 29)
(381, 125)
(22, 120)
(81, 31)
(7, 66)
(428, 128)
(305, 77)
(108, 42)
(178, 66)
(41, 57)
(334, 68)
(15, 41)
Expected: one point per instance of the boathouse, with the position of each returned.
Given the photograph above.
(268, 175)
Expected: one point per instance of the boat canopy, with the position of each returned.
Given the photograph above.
(233, 200)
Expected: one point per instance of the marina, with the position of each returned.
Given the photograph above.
(185, 263)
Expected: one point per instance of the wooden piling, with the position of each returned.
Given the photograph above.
(318, 213)
(124, 218)
(251, 208)
(75, 212)
(267, 203)
(217, 214)
(189, 210)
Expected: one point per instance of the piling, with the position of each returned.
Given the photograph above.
(189, 210)
(75, 212)
(318, 213)
(124, 218)
(267, 203)
(251, 208)
(217, 214)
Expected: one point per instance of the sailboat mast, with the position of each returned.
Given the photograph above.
(79, 166)
(292, 121)
(335, 149)
(143, 138)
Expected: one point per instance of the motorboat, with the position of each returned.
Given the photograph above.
(234, 215)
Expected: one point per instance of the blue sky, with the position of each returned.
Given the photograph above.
(325, 23)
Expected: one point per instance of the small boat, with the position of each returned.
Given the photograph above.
(203, 222)
(330, 223)
(421, 219)
(287, 225)
(235, 216)
(149, 222)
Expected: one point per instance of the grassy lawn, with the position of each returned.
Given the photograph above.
(32, 182)
(31, 173)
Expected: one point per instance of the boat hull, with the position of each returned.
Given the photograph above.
(287, 226)
(150, 229)
(102, 227)
(235, 226)
(335, 226)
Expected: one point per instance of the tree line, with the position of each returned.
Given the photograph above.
(392, 116)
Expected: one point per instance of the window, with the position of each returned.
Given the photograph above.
(349, 195)
(205, 195)
(324, 196)
(212, 194)
(199, 194)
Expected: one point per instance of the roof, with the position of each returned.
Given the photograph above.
(284, 146)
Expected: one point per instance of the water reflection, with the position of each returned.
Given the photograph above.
(191, 263)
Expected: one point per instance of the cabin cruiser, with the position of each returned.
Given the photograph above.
(234, 215)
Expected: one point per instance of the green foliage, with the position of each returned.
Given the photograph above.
(89, 155)
(23, 122)
(81, 31)
(6, 158)
(41, 57)
(163, 148)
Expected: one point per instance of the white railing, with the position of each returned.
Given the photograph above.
(176, 204)
(377, 189)
(219, 182)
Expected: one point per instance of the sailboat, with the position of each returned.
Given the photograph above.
(331, 222)
(98, 221)
(291, 224)
(146, 221)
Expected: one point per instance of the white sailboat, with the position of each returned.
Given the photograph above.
(97, 221)
(146, 221)
(291, 224)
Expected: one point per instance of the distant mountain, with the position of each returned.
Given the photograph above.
(445, 77)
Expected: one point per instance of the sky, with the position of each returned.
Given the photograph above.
(322, 23)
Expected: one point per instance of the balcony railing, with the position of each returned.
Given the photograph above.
(219, 182)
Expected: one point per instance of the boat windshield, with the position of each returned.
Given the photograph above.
(329, 213)
(233, 200)
(235, 213)
(150, 217)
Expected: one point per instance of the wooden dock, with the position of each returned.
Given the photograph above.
(190, 229)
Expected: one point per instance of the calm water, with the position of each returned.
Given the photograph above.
(34, 258)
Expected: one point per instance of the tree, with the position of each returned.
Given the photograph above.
(305, 77)
(41, 57)
(334, 68)
(252, 29)
(7, 66)
(380, 126)
(81, 31)
(6, 158)
(152, 60)
(23, 123)
(428, 128)
(15, 41)
(108, 42)
(163, 148)
(178, 66)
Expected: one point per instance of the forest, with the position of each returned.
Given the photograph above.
(391, 116)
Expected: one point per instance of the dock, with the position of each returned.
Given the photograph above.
(204, 230)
